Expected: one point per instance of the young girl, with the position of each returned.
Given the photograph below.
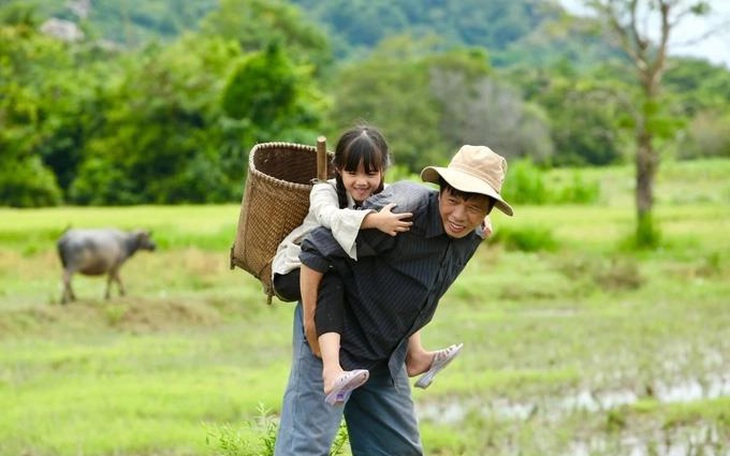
(360, 160)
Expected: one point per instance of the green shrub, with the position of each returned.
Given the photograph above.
(527, 239)
(708, 136)
(526, 184)
(27, 183)
(578, 191)
(227, 441)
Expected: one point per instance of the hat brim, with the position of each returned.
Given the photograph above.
(465, 182)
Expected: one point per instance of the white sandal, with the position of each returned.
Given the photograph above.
(440, 360)
(345, 383)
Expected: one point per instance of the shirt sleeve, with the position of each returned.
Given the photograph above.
(344, 223)
(320, 248)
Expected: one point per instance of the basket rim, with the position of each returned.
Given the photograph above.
(279, 145)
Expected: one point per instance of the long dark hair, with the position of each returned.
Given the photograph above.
(360, 144)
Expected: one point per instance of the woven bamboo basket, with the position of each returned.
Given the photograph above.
(275, 201)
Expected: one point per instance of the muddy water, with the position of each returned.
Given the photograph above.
(700, 439)
(703, 441)
(452, 411)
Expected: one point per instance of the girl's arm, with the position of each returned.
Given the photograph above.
(346, 223)
(388, 222)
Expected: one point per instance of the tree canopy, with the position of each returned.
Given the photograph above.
(167, 111)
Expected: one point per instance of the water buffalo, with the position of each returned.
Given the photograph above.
(96, 252)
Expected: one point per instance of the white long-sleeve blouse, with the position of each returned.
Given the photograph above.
(324, 210)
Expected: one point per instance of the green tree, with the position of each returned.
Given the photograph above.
(390, 89)
(700, 91)
(24, 55)
(274, 97)
(162, 141)
(642, 30)
(480, 109)
(180, 119)
(697, 85)
(261, 88)
(583, 127)
(707, 136)
(430, 103)
(254, 24)
(131, 24)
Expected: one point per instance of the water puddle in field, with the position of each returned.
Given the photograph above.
(698, 440)
(704, 440)
(452, 412)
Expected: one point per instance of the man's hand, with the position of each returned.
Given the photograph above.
(311, 334)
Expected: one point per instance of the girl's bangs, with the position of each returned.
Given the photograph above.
(365, 153)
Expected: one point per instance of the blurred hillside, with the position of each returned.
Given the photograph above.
(509, 29)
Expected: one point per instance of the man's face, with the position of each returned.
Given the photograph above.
(462, 216)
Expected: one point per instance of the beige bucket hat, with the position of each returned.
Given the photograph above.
(474, 169)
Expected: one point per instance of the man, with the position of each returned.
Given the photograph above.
(391, 291)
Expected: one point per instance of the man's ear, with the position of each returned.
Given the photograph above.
(492, 203)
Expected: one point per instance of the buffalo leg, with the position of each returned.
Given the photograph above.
(68, 292)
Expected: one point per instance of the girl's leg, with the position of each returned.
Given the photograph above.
(329, 346)
(329, 320)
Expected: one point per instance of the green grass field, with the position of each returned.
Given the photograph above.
(574, 346)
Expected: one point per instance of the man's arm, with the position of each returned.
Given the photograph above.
(320, 249)
(309, 281)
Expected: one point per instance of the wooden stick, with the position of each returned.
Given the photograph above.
(322, 158)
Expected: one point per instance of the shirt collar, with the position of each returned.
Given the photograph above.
(434, 227)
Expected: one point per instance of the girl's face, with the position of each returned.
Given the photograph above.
(361, 184)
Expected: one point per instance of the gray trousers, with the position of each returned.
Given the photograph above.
(380, 415)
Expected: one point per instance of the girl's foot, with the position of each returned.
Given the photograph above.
(330, 377)
(345, 384)
(440, 360)
(419, 361)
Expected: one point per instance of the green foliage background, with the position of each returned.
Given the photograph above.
(161, 100)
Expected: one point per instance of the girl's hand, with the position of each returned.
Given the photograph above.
(388, 222)
(487, 227)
